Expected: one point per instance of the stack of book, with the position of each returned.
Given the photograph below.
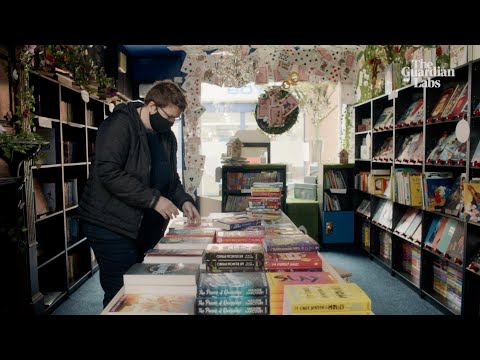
(244, 293)
(174, 256)
(236, 222)
(447, 282)
(185, 242)
(266, 199)
(278, 280)
(234, 257)
(151, 289)
(326, 299)
(411, 261)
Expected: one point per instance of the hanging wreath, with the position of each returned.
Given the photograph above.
(276, 111)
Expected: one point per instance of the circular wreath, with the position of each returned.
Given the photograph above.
(290, 120)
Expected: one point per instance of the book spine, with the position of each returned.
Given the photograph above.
(233, 291)
(211, 256)
(225, 310)
(234, 266)
(233, 301)
(291, 248)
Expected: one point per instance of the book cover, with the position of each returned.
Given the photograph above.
(455, 247)
(293, 260)
(233, 284)
(441, 103)
(184, 243)
(278, 280)
(284, 243)
(447, 235)
(187, 256)
(234, 252)
(324, 298)
(471, 197)
(438, 189)
(454, 203)
(150, 304)
(162, 274)
(413, 226)
(237, 222)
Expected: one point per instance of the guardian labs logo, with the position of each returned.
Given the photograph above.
(421, 73)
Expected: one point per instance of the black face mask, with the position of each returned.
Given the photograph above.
(159, 123)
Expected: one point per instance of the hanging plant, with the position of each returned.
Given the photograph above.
(276, 111)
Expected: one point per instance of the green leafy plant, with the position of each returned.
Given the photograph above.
(23, 139)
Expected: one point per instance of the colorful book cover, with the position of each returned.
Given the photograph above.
(471, 196)
(413, 226)
(453, 100)
(441, 103)
(284, 243)
(440, 229)
(438, 189)
(278, 280)
(324, 298)
(461, 102)
(454, 203)
(150, 304)
(237, 222)
(293, 260)
(233, 284)
(432, 230)
(447, 234)
(438, 149)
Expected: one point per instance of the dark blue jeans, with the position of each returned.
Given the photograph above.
(115, 254)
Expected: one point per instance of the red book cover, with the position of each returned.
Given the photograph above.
(293, 260)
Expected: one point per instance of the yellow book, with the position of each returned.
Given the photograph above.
(416, 189)
(325, 298)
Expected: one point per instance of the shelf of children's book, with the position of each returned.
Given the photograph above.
(380, 226)
(409, 163)
(407, 277)
(438, 121)
(73, 125)
(48, 215)
(436, 212)
(92, 127)
(75, 164)
(443, 301)
(383, 130)
(363, 132)
(368, 160)
(383, 162)
(416, 243)
(46, 166)
(51, 259)
(70, 247)
(406, 127)
(75, 284)
(71, 208)
(445, 165)
(445, 257)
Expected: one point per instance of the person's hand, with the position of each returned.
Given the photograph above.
(191, 213)
(166, 208)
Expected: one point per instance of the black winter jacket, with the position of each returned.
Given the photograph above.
(118, 189)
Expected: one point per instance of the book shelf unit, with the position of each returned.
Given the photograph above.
(243, 191)
(62, 258)
(396, 255)
(337, 225)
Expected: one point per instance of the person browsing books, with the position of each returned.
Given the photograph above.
(134, 189)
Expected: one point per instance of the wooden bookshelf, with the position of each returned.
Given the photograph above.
(431, 263)
(62, 258)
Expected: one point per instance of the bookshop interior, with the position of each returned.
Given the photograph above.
(312, 180)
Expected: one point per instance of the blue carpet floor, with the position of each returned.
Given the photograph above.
(390, 296)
